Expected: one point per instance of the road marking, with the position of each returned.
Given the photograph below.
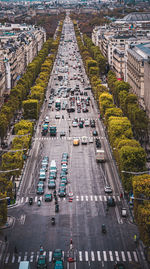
(80, 256)
(86, 256)
(135, 256)
(100, 197)
(77, 198)
(82, 198)
(7, 257)
(98, 255)
(123, 256)
(32, 256)
(22, 198)
(13, 258)
(95, 198)
(50, 256)
(38, 253)
(105, 198)
(143, 256)
(91, 198)
(27, 198)
(129, 256)
(86, 197)
(19, 258)
(117, 256)
(105, 256)
(22, 219)
(25, 256)
(92, 256)
(36, 199)
(111, 256)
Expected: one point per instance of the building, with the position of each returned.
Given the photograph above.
(19, 44)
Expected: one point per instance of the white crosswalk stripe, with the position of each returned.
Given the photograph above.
(103, 255)
(63, 138)
(111, 256)
(123, 256)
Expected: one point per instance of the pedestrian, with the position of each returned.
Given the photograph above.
(121, 195)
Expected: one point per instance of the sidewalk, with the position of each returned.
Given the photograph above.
(8, 224)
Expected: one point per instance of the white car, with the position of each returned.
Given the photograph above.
(108, 189)
(86, 123)
(74, 124)
(91, 140)
(84, 140)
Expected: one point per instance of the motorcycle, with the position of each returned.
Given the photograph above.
(30, 201)
(39, 202)
(53, 221)
(56, 208)
(103, 228)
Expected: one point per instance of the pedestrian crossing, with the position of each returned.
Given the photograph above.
(81, 256)
(66, 138)
(82, 198)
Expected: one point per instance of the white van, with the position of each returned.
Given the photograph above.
(24, 265)
(53, 166)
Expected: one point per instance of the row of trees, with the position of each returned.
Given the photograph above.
(30, 98)
(120, 123)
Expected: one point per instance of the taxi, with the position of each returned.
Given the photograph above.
(76, 142)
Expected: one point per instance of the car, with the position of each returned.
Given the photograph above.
(40, 183)
(62, 192)
(86, 123)
(64, 169)
(76, 142)
(98, 143)
(40, 190)
(42, 176)
(65, 155)
(57, 255)
(95, 133)
(46, 158)
(47, 119)
(64, 180)
(108, 189)
(57, 116)
(52, 174)
(92, 123)
(110, 201)
(119, 265)
(41, 262)
(84, 140)
(63, 174)
(74, 124)
(48, 197)
(64, 161)
(59, 265)
(124, 212)
(62, 133)
(91, 140)
(81, 124)
(44, 167)
(51, 184)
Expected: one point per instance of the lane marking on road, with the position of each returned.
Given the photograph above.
(86, 197)
(7, 257)
(80, 256)
(27, 199)
(105, 198)
(82, 198)
(86, 256)
(32, 256)
(129, 256)
(100, 197)
(50, 256)
(117, 256)
(95, 198)
(105, 256)
(123, 256)
(13, 258)
(77, 198)
(135, 256)
(98, 255)
(25, 256)
(19, 258)
(111, 256)
(36, 198)
(91, 198)
(92, 256)
(22, 199)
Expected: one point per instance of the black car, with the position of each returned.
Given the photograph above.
(98, 143)
(92, 123)
(110, 201)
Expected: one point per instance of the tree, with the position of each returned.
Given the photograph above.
(30, 108)
(3, 125)
(105, 101)
(115, 111)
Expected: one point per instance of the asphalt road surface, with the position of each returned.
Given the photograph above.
(82, 218)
